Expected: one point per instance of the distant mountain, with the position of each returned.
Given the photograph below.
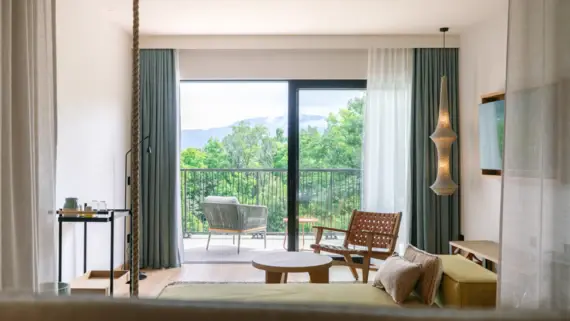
(197, 138)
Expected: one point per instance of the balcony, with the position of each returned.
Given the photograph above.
(325, 195)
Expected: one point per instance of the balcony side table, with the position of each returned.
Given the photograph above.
(103, 216)
(302, 220)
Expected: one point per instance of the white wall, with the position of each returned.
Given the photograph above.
(482, 70)
(273, 64)
(93, 115)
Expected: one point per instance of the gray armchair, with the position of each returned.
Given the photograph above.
(226, 215)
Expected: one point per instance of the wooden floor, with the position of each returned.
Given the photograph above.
(218, 273)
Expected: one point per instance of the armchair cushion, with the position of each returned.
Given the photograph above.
(221, 200)
(339, 249)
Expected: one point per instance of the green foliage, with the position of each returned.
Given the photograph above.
(328, 195)
(342, 139)
(192, 158)
(216, 155)
(249, 147)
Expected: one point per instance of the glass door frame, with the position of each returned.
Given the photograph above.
(293, 147)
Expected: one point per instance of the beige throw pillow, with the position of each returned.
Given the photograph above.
(398, 277)
(432, 271)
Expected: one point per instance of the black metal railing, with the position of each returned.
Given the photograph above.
(328, 195)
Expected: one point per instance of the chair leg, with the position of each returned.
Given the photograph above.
(208, 244)
(239, 240)
(265, 239)
(365, 269)
(234, 239)
(348, 260)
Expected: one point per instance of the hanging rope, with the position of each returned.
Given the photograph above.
(135, 159)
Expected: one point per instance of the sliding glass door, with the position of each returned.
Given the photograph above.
(325, 157)
(291, 147)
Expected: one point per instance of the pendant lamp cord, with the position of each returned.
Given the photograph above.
(443, 30)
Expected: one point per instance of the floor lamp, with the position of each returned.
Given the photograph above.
(142, 276)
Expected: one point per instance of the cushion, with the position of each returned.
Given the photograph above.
(466, 284)
(221, 199)
(432, 271)
(398, 277)
(298, 293)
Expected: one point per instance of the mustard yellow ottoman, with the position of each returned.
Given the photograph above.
(466, 284)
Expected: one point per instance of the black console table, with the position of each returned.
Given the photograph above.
(103, 216)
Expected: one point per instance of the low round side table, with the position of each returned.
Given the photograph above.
(278, 265)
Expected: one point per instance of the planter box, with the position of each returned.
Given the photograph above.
(97, 282)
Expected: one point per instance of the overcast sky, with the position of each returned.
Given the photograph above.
(207, 105)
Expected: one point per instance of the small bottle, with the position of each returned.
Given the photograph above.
(88, 211)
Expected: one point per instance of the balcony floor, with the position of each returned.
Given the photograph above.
(223, 251)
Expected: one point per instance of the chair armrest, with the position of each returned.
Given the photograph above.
(252, 216)
(320, 230)
(330, 229)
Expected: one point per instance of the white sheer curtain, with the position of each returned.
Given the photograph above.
(27, 142)
(386, 143)
(535, 217)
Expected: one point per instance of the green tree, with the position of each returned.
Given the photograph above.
(192, 158)
(216, 155)
(249, 146)
(280, 156)
(342, 139)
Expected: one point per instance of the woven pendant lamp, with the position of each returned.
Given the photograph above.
(443, 137)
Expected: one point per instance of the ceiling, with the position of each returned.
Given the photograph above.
(301, 17)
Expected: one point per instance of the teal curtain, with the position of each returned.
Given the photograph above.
(435, 219)
(158, 103)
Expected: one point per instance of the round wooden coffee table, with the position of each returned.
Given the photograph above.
(278, 265)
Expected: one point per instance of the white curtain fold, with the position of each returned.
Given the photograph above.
(535, 215)
(27, 142)
(386, 145)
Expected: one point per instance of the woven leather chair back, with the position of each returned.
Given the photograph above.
(387, 223)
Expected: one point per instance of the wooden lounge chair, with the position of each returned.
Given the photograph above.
(370, 235)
